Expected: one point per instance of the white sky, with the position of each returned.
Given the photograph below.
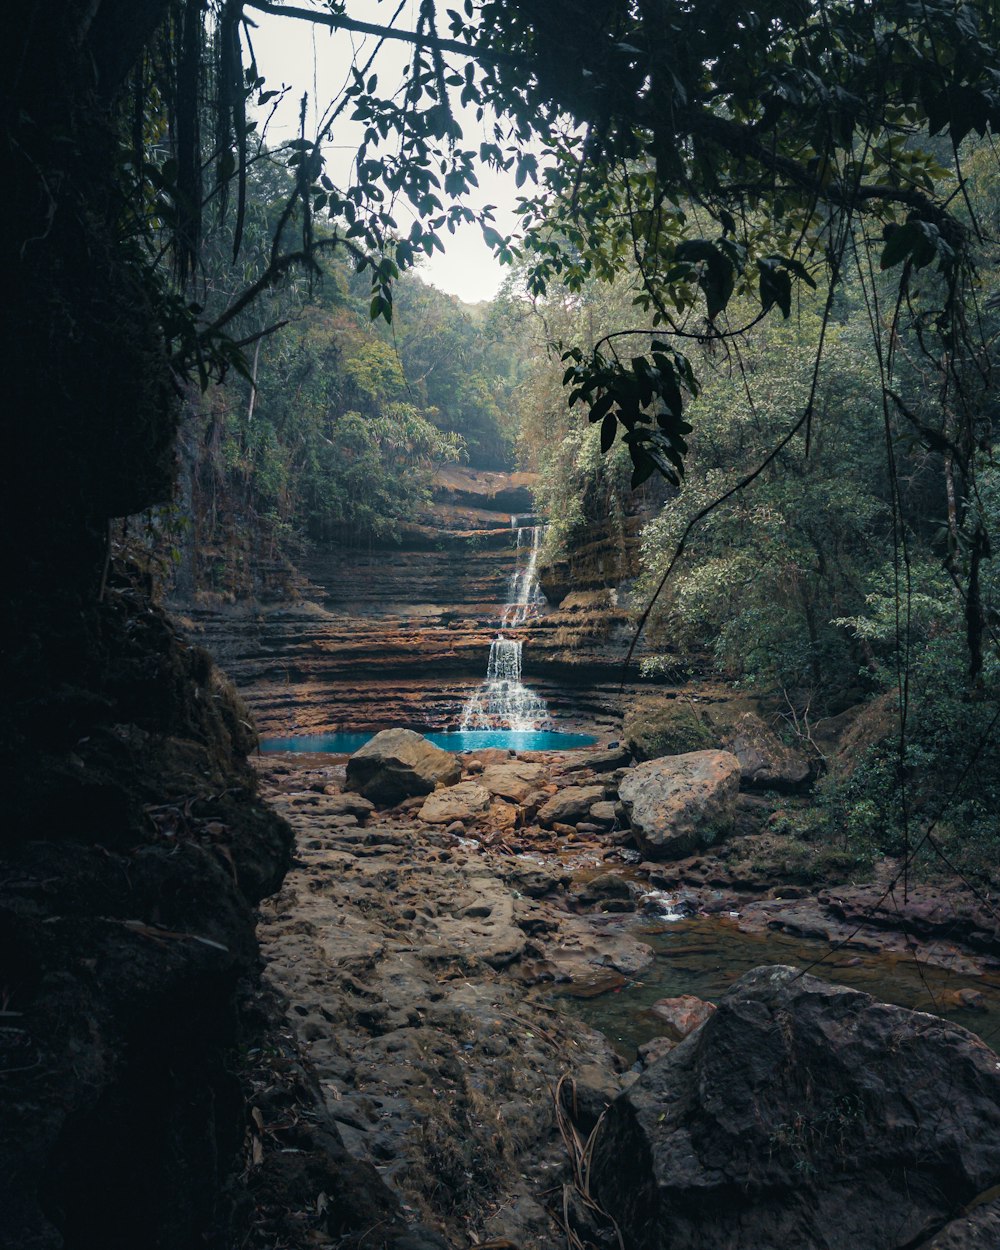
(316, 60)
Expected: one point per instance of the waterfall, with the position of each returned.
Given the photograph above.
(524, 594)
(502, 701)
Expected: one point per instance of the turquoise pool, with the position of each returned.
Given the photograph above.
(469, 740)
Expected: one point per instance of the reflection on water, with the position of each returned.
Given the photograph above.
(704, 955)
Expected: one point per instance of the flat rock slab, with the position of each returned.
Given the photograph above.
(605, 761)
(404, 955)
(349, 805)
(464, 801)
(398, 763)
(682, 803)
(802, 1114)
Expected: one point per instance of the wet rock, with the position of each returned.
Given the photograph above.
(654, 1050)
(569, 805)
(966, 998)
(604, 885)
(513, 781)
(927, 911)
(681, 803)
(628, 958)
(802, 1114)
(978, 1229)
(683, 1014)
(398, 763)
(464, 801)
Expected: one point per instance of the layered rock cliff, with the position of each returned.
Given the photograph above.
(400, 635)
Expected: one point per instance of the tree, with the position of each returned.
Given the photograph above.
(739, 153)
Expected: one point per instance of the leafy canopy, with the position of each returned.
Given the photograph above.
(725, 151)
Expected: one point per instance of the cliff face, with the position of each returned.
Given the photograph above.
(401, 636)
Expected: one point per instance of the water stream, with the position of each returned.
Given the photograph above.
(503, 701)
(704, 955)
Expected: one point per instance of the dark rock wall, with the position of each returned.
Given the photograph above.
(134, 853)
(132, 848)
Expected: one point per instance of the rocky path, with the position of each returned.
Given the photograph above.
(408, 956)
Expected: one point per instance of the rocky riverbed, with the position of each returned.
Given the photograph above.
(419, 948)
(410, 956)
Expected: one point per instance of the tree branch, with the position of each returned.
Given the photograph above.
(337, 21)
(741, 141)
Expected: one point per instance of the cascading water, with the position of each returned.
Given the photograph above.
(503, 701)
(525, 594)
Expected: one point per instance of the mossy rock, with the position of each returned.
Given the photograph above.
(674, 728)
(678, 726)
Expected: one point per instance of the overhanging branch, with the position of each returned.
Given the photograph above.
(338, 21)
(740, 141)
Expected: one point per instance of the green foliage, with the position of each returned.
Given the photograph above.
(460, 369)
(938, 769)
(582, 481)
(333, 448)
(761, 577)
(734, 157)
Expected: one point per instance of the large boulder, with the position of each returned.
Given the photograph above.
(975, 1229)
(803, 1115)
(657, 726)
(679, 726)
(682, 803)
(398, 763)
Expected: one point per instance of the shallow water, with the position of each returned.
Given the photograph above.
(467, 740)
(704, 955)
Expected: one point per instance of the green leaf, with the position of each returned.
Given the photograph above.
(644, 466)
(898, 243)
(601, 407)
(775, 287)
(609, 427)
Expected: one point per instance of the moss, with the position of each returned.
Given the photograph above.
(674, 728)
